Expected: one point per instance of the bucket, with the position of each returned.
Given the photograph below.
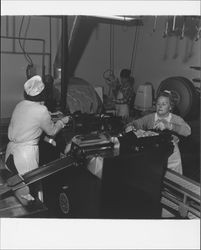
(143, 99)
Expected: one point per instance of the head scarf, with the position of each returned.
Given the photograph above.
(34, 89)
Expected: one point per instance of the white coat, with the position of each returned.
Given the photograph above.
(28, 121)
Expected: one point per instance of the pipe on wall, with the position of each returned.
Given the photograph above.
(64, 62)
(33, 53)
(22, 53)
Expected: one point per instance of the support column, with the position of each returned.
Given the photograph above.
(64, 62)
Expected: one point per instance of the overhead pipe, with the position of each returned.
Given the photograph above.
(64, 62)
(119, 20)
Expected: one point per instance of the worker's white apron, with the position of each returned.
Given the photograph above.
(174, 161)
(25, 155)
(122, 109)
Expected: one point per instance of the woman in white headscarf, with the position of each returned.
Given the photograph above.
(29, 119)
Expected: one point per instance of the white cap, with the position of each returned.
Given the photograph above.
(34, 86)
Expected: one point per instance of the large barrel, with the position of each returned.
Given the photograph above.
(81, 96)
(185, 95)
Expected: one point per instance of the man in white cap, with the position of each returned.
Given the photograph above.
(29, 119)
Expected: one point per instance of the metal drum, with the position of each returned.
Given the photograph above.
(184, 94)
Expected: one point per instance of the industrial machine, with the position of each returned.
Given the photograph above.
(181, 196)
(107, 174)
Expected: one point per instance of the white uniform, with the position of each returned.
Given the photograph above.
(29, 120)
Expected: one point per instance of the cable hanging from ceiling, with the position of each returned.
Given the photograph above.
(26, 31)
(112, 48)
(26, 55)
(134, 50)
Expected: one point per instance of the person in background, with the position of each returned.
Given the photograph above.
(29, 119)
(162, 119)
(124, 93)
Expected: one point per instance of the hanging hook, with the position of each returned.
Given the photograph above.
(182, 30)
(198, 33)
(166, 29)
(155, 21)
(173, 23)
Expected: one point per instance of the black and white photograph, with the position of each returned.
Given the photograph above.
(100, 120)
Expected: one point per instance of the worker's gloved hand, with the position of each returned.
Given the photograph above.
(129, 128)
(56, 113)
(115, 141)
(67, 148)
(162, 124)
(28, 197)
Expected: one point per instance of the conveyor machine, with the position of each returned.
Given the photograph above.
(105, 175)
